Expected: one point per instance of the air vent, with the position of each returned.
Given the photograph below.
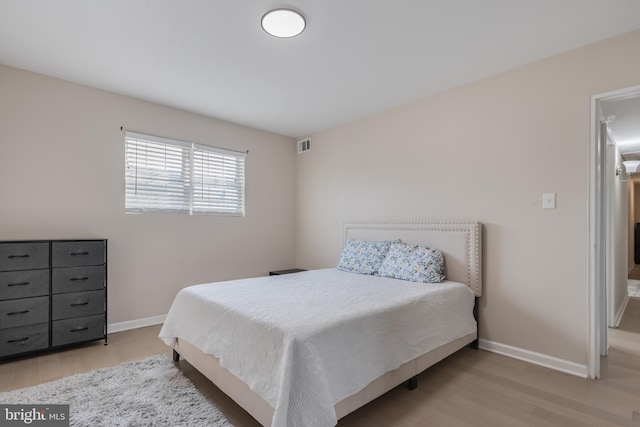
(304, 145)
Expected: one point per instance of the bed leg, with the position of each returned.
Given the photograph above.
(176, 356)
(475, 344)
(412, 383)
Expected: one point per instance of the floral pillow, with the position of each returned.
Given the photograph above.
(413, 263)
(363, 257)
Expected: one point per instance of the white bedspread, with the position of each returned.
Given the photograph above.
(305, 341)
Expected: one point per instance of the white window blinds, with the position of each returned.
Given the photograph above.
(166, 175)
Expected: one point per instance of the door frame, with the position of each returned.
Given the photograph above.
(600, 237)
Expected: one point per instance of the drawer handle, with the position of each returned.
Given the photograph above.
(79, 329)
(18, 284)
(18, 340)
(78, 253)
(19, 256)
(18, 312)
(79, 303)
(74, 279)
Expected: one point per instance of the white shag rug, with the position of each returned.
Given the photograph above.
(148, 392)
(634, 288)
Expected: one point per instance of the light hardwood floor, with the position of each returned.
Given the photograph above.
(470, 388)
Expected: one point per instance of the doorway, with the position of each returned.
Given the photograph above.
(612, 167)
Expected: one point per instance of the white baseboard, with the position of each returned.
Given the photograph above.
(535, 358)
(620, 312)
(133, 324)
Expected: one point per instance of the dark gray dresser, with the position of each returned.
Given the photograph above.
(52, 293)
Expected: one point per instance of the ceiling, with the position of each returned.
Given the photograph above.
(354, 59)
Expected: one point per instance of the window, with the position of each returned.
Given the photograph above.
(166, 175)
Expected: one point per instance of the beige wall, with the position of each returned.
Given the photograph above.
(485, 151)
(617, 252)
(62, 176)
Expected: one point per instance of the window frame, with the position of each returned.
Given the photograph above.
(163, 174)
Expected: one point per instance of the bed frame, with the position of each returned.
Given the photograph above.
(461, 244)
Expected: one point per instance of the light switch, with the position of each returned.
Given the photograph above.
(548, 200)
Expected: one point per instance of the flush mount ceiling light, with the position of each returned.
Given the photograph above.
(283, 23)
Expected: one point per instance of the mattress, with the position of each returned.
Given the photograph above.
(305, 341)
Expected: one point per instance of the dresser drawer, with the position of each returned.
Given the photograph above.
(74, 279)
(23, 339)
(22, 312)
(24, 256)
(23, 284)
(77, 304)
(77, 330)
(77, 253)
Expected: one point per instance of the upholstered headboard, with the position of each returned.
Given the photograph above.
(460, 242)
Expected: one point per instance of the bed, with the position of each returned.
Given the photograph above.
(311, 347)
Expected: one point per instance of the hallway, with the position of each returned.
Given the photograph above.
(626, 338)
(634, 282)
(635, 272)
(621, 368)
